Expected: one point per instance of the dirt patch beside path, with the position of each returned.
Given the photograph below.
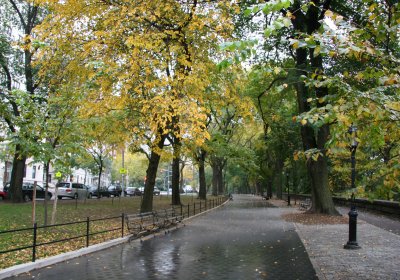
(314, 219)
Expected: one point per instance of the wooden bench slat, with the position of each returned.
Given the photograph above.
(304, 205)
(146, 223)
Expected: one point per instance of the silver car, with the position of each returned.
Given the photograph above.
(71, 190)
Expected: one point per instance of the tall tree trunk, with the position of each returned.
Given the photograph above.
(28, 21)
(217, 165)
(17, 175)
(202, 175)
(181, 179)
(176, 199)
(98, 188)
(215, 171)
(151, 173)
(175, 180)
(269, 187)
(46, 180)
(278, 177)
(313, 137)
(221, 186)
(99, 180)
(54, 210)
(258, 187)
(278, 184)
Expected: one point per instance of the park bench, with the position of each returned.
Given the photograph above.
(305, 204)
(169, 217)
(151, 222)
(143, 223)
(264, 195)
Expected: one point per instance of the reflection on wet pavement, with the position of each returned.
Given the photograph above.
(246, 239)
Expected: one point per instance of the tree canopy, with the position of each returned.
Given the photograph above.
(253, 89)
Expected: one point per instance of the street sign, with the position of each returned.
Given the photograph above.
(122, 171)
(58, 174)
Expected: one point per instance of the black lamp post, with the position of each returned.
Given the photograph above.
(352, 243)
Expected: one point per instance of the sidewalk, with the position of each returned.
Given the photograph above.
(378, 257)
(244, 239)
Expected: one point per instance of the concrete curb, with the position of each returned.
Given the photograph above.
(26, 267)
(317, 268)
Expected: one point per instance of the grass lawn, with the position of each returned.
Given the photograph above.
(15, 216)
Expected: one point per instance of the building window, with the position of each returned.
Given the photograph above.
(34, 172)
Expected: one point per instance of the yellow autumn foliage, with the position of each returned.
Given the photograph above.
(152, 61)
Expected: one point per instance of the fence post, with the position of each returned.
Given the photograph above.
(123, 224)
(200, 206)
(87, 231)
(182, 210)
(194, 208)
(188, 210)
(34, 242)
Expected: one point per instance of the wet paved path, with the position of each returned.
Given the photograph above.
(386, 222)
(244, 239)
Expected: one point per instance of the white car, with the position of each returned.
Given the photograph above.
(71, 190)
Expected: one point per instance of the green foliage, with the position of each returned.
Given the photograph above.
(359, 46)
(126, 75)
(275, 103)
(135, 164)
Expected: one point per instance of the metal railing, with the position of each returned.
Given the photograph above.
(33, 231)
(201, 206)
(85, 232)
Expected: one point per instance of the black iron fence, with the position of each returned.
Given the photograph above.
(83, 231)
(201, 206)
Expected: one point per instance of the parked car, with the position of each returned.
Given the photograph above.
(131, 191)
(94, 191)
(115, 190)
(71, 190)
(3, 195)
(188, 189)
(27, 191)
(156, 191)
